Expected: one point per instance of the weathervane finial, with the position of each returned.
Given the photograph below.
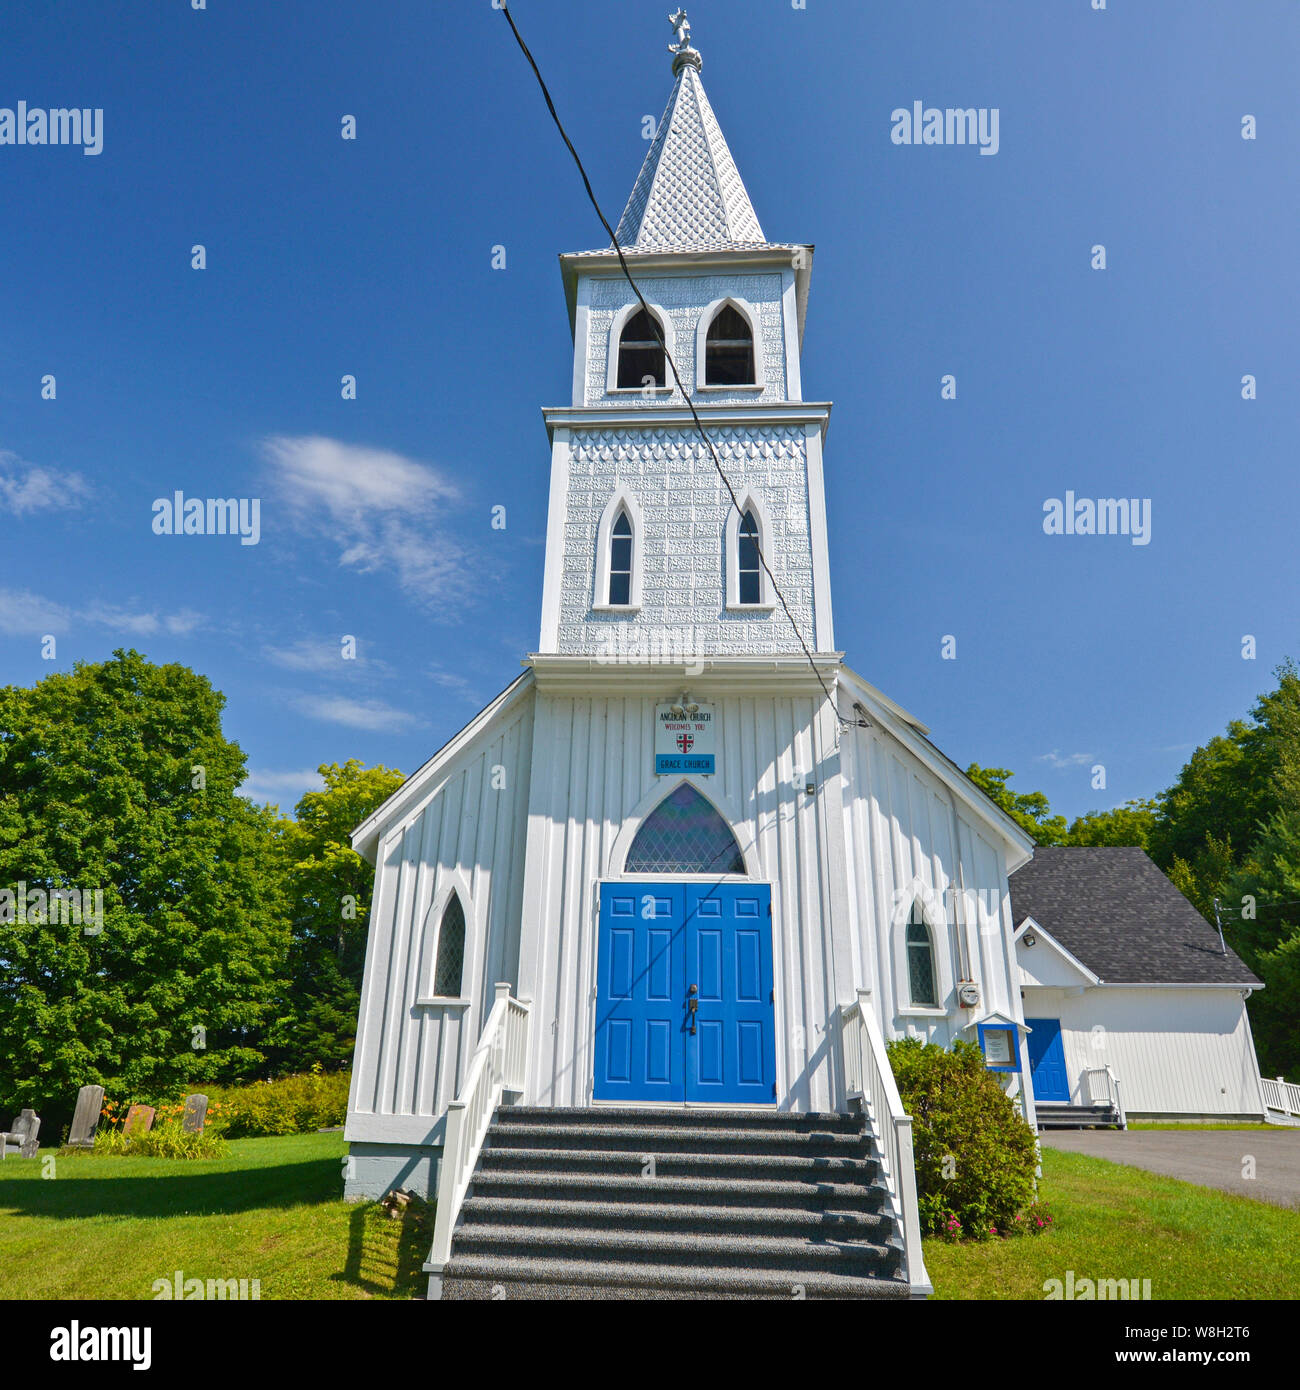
(682, 51)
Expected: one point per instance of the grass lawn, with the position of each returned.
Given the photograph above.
(269, 1210)
(1116, 1222)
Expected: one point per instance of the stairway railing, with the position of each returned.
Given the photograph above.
(869, 1078)
(498, 1066)
(1104, 1090)
(1281, 1095)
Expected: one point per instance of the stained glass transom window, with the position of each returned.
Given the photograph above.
(684, 834)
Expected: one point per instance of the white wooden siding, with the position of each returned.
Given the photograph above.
(593, 765)
(410, 1056)
(1174, 1051)
(905, 830)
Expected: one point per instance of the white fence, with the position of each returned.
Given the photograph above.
(868, 1077)
(1280, 1095)
(1100, 1086)
(498, 1065)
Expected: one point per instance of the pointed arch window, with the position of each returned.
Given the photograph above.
(450, 962)
(729, 349)
(619, 560)
(640, 353)
(620, 563)
(921, 975)
(684, 834)
(749, 570)
(747, 542)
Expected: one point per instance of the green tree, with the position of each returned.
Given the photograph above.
(1129, 824)
(329, 888)
(117, 777)
(1029, 810)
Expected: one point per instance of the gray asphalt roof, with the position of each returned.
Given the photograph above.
(1116, 912)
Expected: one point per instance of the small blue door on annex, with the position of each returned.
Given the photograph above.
(1047, 1059)
(684, 994)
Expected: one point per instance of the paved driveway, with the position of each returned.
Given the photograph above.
(1211, 1157)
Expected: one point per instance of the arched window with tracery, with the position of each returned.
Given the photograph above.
(684, 834)
(922, 979)
(450, 964)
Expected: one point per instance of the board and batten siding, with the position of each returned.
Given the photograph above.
(593, 771)
(909, 836)
(1174, 1051)
(468, 832)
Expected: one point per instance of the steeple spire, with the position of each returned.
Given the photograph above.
(689, 193)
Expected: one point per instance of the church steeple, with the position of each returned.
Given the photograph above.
(656, 532)
(689, 194)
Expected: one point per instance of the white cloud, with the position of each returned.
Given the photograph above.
(1057, 760)
(322, 656)
(372, 715)
(281, 787)
(382, 511)
(449, 680)
(29, 487)
(24, 614)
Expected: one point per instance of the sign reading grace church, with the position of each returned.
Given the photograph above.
(684, 738)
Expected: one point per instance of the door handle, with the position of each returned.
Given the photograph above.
(693, 1004)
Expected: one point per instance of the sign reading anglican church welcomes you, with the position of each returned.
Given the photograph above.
(684, 739)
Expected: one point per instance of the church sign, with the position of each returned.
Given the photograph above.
(684, 739)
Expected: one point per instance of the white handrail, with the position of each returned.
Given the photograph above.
(1281, 1095)
(1110, 1095)
(498, 1065)
(868, 1076)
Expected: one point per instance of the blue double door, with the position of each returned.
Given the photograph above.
(684, 1001)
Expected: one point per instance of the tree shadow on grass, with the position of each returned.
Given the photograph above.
(196, 1193)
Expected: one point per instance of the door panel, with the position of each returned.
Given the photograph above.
(657, 940)
(1047, 1059)
(729, 956)
(640, 965)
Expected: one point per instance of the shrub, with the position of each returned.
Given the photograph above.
(291, 1105)
(975, 1155)
(165, 1140)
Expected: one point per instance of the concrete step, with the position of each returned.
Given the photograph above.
(673, 1138)
(540, 1214)
(811, 1194)
(756, 1117)
(643, 1249)
(473, 1277)
(562, 1163)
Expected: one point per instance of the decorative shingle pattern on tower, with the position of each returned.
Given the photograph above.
(689, 192)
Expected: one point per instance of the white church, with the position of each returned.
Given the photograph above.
(641, 929)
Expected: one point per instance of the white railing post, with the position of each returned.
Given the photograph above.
(867, 1063)
(501, 1057)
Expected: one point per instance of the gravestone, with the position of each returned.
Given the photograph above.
(85, 1119)
(196, 1112)
(139, 1120)
(22, 1138)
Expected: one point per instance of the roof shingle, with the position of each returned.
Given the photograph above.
(1115, 911)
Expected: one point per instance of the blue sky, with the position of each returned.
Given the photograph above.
(373, 258)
